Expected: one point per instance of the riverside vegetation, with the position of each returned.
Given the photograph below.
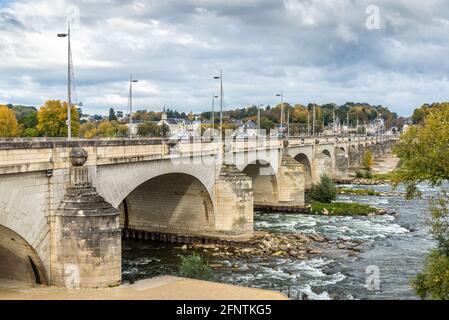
(323, 195)
(424, 153)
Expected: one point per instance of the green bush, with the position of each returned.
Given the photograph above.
(194, 267)
(433, 282)
(342, 209)
(360, 174)
(367, 161)
(368, 175)
(325, 191)
(364, 174)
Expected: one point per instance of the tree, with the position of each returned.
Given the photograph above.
(52, 119)
(367, 161)
(29, 121)
(30, 132)
(112, 129)
(112, 116)
(418, 116)
(325, 191)
(266, 124)
(424, 153)
(165, 130)
(88, 130)
(8, 123)
(149, 129)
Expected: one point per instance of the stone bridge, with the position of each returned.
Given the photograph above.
(64, 205)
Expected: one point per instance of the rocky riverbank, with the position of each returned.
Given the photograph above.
(287, 245)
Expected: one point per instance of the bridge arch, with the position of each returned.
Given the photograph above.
(114, 186)
(354, 156)
(19, 260)
(265, 184)
(169, 203)
(305, 161)
(323, 163)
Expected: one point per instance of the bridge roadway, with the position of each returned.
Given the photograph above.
(65, 204)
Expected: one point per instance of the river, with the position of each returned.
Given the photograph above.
(396, 244)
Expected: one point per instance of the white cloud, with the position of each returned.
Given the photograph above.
(316, 50)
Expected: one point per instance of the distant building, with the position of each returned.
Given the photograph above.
(173, 124)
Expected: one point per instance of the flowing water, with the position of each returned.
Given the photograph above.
(395, 245)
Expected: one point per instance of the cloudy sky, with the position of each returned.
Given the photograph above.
(314, 50)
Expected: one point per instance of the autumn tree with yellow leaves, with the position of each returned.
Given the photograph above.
(8, 123)
(52, 119)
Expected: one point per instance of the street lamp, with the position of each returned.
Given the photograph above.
(258, 118)
(221, 99)
(213, 110)
(281, 95)
(69, 69)
(131, 81)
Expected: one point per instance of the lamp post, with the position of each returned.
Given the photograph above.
(221, 99)
(314, 121)
(258, 119)
(333, 120)
(281, 95)
(69, 71)
(131, 81)
(213, 110)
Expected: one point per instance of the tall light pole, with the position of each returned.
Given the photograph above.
(213, 110)
(258, 118)
(333, 120)
(131, 81)
(221, 99)
(288, 121)
(314, 121)
(281, 95)
(308, 123)
(69, 73)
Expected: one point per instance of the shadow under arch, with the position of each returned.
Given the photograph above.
(169, 203)
(18, 259)
(265, 186)
(304, 160)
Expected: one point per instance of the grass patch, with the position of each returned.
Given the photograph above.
(363, 174)
(342, 209)
(360, 192)
(383, 176)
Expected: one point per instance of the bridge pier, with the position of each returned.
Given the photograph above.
(85, 236)
(234, 203)
(291, 182)
(341, 163)
(322, 165)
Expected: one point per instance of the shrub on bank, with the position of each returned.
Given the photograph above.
(342, 209)
(194, 267)
(433, 282)
(367, 161)
(364, 174)
(325, 191)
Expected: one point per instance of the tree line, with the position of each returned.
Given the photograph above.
(50, 119)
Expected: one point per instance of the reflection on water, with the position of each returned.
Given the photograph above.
(397, 244)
